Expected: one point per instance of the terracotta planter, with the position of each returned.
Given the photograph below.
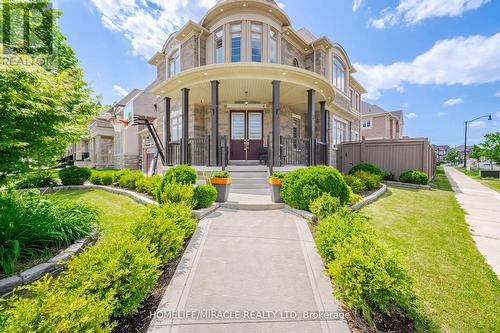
(223, 187)
(275, 187)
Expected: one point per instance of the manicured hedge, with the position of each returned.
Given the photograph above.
(414, 177)
(356, 184)
(182, 174)
(371, 181)
(204, 196)
(176, 193)
(129, 179)
(368, 167)
(36, 180)
(148, 185)
(105, 179)
(74, 175)
(301, 187)
(325, 205)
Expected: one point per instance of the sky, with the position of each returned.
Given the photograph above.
(437, 60)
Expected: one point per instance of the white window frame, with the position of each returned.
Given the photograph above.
(259, 33)
(216, 40)
(339, 74)
(366, 122)
(273, 39)
(234, 32)
(175, 59)
(344, 128)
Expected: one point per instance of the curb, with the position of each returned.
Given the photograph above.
(53, 267)
(369, 199)
(408, 185)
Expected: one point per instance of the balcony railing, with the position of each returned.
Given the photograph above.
(198, 152)
(295, 151)
(174, 152)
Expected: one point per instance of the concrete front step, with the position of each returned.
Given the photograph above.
(247, 168)
(249, 186)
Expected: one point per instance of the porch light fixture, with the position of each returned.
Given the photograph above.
(244, 5)
(466, 125)
(284, 73)
(246, 97)
(205, 73)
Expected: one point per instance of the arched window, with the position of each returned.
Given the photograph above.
(339, 74)
(296, 63)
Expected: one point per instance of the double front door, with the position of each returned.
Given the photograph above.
(246, 135)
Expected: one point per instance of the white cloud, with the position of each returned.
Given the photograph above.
(400, 89)
(122, 92)
(147, 24)
(497, 93)
(405, 106)
(453, 101)
(357, 4)
(497, 115)
(412, 115)
(414, 11)
(460, 60)
(478, 124)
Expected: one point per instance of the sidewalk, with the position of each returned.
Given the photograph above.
(482, 207)
(260, 269)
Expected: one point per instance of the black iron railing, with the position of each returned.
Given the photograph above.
(174, 152)
(321, 153)
(295, 151)
(199, 151)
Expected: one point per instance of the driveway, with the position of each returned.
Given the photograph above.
(482, 207)
(250, 271)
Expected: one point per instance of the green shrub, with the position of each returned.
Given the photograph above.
(177, 193)
(117, 175)
(162, 235)
(325, 205)
(181, 214)
(368, 167)
(370, 180)
(120, 268)
(370, 278)
(388, 176)
(148, 185)
(354, 198)
(37, 180)
(52, 308)
(30, 225)
(357, 185)
(74, 175)
(182, 174)
(105, 179)
(204, 196)
(414, 177)
(336, 229)
(302, 186)
(129, 179)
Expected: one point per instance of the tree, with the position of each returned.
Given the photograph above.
(491, 147)
(452, 156)
(42, 109)
(476, 152)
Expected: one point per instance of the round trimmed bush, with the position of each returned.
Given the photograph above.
(301, 187)
(204, 196)
(414, 177)
(74, 175)
(182, 174)
(101, 179)
(368, 167)
(325, 206)
(176, 193)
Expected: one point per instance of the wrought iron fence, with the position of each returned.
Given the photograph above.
(321, 153)
(295, 151)
(174, 152)
(199, 151)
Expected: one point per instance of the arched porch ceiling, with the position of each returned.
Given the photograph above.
(236, 79)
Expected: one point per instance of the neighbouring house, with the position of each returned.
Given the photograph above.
(461, 150)
(379, 124)
(441, 151)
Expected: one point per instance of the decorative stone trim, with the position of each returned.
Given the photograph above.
(407, 185)
(202, 213)
(52, 267)
(366, 201)
(369, 199)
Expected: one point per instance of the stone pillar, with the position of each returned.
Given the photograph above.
(166, 129)
(276, 124)
(185, 126)
(311, 113)
(98, 150)
(214, 137)
(323, 121)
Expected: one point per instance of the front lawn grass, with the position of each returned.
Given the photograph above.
(119, 212)
(458, 290)
(489, 182)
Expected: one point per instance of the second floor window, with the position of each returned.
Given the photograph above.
(174, 64)
(219, 46)
(273, 46)
(236, 42)
(256, 42)
(367, 123)
(338, 74)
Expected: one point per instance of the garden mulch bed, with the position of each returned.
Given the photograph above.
(383, 324)
(139, 322)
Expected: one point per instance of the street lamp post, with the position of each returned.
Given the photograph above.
(466, 125)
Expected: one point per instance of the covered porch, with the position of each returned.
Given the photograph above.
(246, 114)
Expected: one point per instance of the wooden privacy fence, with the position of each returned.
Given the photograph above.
(395, 156)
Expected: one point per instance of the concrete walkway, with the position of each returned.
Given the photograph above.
(482, 206)
(250, 271)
